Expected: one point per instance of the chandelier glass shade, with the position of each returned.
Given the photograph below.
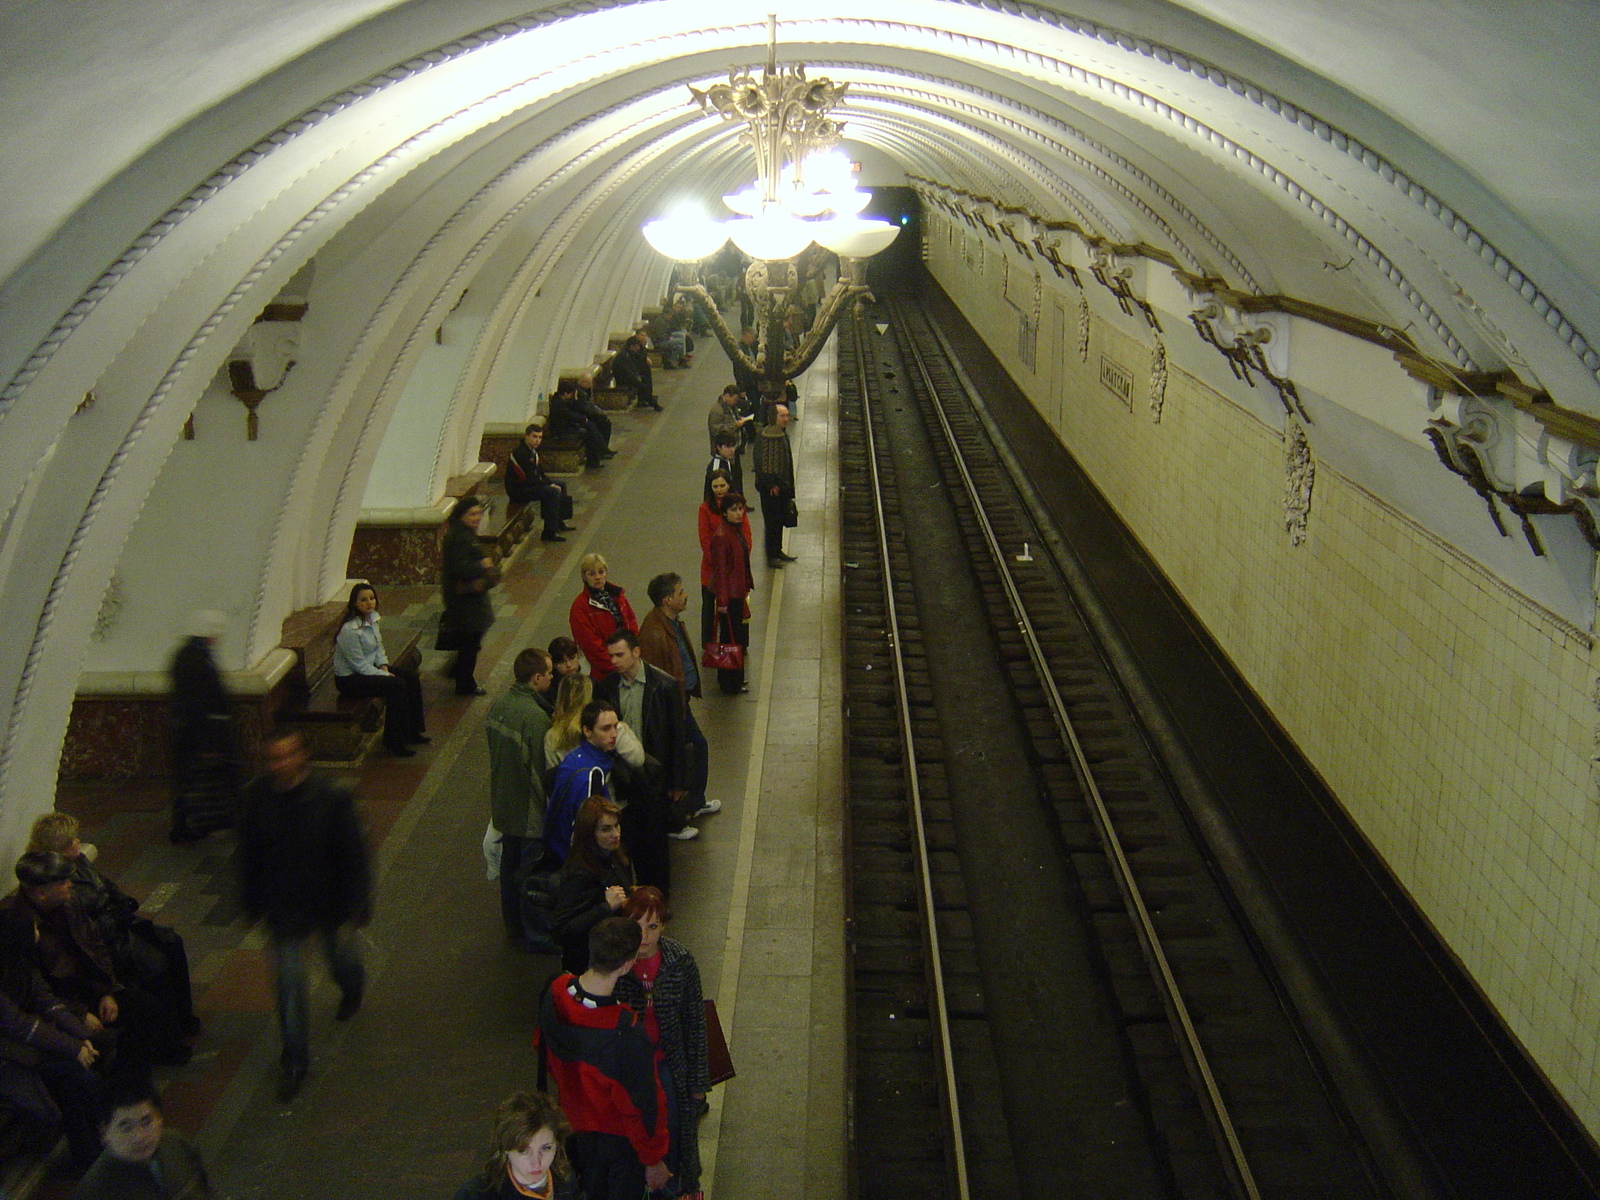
(772, 234)
(686, 236)
(855, 237)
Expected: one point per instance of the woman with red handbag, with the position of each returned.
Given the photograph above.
(718, 483)
(731, 582)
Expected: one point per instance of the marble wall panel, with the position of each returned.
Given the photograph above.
(390, 555)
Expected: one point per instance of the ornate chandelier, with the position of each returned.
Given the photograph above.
(803, 194)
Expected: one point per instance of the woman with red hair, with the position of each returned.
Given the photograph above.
(664, 985)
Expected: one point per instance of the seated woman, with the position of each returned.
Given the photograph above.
(595, 880)
(145, 954)
(361, 668)
(597, 612)
(529, 1157)
(664, 985)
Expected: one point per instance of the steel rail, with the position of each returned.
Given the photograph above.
(1227, 1137)
(952, 1107)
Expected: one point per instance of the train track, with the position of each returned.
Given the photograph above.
(1052, 995)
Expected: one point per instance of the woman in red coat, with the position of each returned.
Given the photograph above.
(599, 611)
(720, 485)
(731, 582)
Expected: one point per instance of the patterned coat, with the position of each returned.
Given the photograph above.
(680, 1009)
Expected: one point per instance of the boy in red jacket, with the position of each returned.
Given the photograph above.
(597, 1051)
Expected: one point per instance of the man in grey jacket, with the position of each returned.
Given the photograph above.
(515, 726)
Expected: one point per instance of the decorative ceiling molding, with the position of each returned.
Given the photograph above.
(1040, 117)
(1523, 287)
(1080, 204)
(1105, 177)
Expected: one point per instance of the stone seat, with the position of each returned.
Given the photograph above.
(505, 522)
(562, 456)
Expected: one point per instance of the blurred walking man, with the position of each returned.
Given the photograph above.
(305, 869)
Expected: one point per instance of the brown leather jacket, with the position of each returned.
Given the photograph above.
(658, 642)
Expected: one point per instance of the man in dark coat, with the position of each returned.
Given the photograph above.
(527, 483)
(652, 704)
(774, 468)
(583, 401)
(568, 422)
(305, 868)
(664, 643)
(632, 370)
(145, 954)
(45, 1056)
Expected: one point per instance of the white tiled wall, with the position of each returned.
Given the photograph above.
(1453, 717)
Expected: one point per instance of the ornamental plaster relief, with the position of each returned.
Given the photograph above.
(1299, 474)
(1158, 380)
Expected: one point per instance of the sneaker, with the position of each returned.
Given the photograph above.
(709, 807)
(687, 834)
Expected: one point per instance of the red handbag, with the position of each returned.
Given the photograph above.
(724, 655)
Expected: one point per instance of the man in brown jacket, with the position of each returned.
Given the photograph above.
(665, 644)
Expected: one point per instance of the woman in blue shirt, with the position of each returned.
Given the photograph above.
(361, 668)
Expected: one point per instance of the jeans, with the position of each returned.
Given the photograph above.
(294, 1019)
(511, 848)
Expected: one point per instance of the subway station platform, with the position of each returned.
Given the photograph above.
(398, 1100)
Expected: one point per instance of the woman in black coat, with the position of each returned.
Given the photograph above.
(528, 1158)
(595, 880)
(467, 577)
(205, 764)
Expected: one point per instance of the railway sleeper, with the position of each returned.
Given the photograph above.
(884, 888)
(889, 806)
(889, 835)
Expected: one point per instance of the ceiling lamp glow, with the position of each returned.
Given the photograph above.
(856, 237)
(773, 235)
(850, 202)
(685, 236)
(746, 203)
